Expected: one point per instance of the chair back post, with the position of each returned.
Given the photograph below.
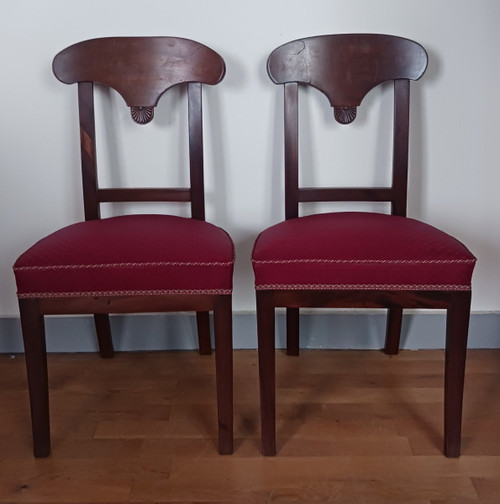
(400, 146)
(291, 91)
(88, 150)
(195, 120)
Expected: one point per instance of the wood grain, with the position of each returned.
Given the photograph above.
(352, 427)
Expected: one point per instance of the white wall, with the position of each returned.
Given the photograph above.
(455, 172)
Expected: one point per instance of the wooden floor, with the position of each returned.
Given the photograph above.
(353, 427)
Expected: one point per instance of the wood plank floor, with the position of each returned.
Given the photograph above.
(353, 427)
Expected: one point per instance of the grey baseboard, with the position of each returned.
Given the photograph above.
(333, 330)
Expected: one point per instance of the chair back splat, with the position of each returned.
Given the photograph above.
(356, 259)
(345, 68)
(132, 263)
(140, 69)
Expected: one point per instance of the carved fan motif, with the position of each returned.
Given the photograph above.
(344, 115)
(142, 115)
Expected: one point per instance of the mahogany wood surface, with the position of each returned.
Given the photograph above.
(362, 61)
(141, 69)
(345, 68)
(157, 63)
(353, 427)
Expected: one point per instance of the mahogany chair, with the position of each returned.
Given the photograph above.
(132, 263)
(356, 259)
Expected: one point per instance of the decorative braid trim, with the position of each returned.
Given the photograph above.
(119, 265)
(363, 287)
(173, 292)
(366, 261)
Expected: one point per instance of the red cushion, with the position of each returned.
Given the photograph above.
(128, 255)
(354, 250)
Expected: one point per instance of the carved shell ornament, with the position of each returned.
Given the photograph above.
(344, 115)
(142, 115)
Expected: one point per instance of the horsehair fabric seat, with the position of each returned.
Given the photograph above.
(355, 250)
(356, 259)
(128, 255)
(132, 263)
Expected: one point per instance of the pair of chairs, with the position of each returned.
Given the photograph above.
(161, 263)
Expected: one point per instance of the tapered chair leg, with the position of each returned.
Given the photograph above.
(393, 334)
(203, 326)
(267, 370)
(224, 371)
(457, 328)
(292, 331)
(32, 324)
(103, 331)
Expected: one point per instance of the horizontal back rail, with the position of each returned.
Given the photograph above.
(309, 194)
(143, 194)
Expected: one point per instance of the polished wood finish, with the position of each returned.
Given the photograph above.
(36, 365)
(141, 69)
(457, 305)
(362, 61)
(203, 328)
(345, 68)
(224, 372)
(393, 333)
(267, 371)
(352, 427)
(103, 331)
(157, 63)
(292, 333)
(328, 64)
(457, 327)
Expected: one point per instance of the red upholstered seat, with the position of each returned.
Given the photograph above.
(128, 255)
(354, 250)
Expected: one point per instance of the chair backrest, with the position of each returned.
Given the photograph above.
(140, 69)
(345, 68)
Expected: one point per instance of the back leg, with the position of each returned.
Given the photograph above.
(103, 330)
(393, 334)
(203, 326)
(292, 331)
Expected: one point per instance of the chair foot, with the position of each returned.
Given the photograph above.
(452, 450)
(268, 448)
(225, 442)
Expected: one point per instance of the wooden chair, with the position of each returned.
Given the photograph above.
(356, 259)
(132, 263)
